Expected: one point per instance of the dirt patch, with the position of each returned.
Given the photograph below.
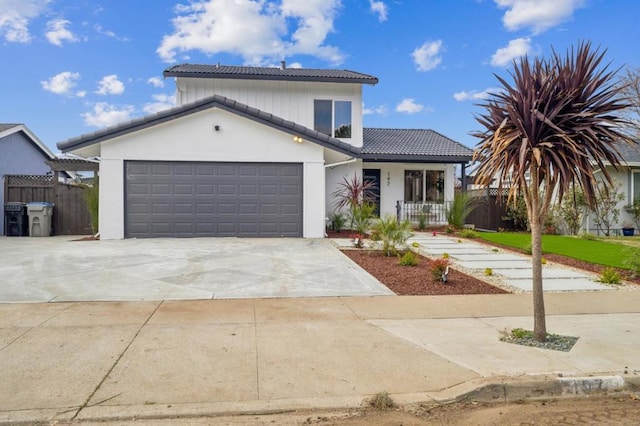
(417, 280)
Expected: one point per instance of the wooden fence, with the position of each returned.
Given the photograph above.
(70, 214)
(489, 210)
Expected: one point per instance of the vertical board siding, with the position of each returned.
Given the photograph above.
(70, 213)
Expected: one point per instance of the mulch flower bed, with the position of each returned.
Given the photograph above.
(417, 280)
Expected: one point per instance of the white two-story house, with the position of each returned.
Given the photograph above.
(257, 152)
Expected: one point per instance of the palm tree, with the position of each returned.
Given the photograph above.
(557, 125)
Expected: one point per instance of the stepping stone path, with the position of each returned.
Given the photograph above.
(513, 269)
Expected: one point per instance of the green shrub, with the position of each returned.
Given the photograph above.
(92, 198)
(415, 244)
(409, 258)
(521, 333)
(445, 255)
(632, 260)
(422, 221)
(460, 208)
(588, 236)
(393, 234)
(610, 276)
(438, 268)
(468, 233)
(488, 271)
(337, 221)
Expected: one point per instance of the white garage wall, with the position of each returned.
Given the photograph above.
(193, 138)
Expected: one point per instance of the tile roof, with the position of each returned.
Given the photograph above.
(218, 101)
(630, 153)
(412, 144)
(268, 73)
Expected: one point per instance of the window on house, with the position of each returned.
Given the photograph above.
(424, 185)
(332, 118)
(635, 185)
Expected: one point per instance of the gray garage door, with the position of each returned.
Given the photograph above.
(197, 199)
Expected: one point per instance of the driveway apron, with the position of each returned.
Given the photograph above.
(59, 269)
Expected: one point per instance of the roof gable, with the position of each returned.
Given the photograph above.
(215, 101)
(7, 129)
(268, 73)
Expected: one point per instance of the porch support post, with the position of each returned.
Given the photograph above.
(463, 174)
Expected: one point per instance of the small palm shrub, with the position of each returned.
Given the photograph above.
(361, 217)
(393, 234)
(409, 258)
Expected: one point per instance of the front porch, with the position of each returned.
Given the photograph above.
(432, 214)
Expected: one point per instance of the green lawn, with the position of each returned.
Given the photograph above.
(592, 251)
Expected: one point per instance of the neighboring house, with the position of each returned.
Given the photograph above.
(628, 177)
(21, 153)
(257, 152)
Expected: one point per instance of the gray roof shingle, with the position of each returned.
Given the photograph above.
(630, 153)
(411, 145)
(268, 73)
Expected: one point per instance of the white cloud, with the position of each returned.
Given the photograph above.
(15, 16)
(110, 85)
(539, 15)
(515, 49)
(378, 110)
(100, 30)
(81, 93)
(379, 8)
(156, 82)
(61, 84)
(162, 102)
(106, 115)
(256, 30)
(409, 106)
(427, 56)
(58, 32)
(474, 95)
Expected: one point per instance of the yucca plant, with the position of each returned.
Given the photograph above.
(557, 124)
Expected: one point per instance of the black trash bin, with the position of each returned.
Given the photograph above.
(16, 220)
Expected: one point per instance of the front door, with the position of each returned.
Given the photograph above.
(373, 176)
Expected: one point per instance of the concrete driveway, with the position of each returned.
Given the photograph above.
(57, 269)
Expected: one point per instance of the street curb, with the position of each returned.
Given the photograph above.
(561, 387)
(486, 390)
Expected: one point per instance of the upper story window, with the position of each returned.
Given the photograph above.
(332, 118)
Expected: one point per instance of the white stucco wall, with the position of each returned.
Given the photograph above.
(291, 100)
(193, 138)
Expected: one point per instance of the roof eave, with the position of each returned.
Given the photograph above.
(408, 158)
(370, 81)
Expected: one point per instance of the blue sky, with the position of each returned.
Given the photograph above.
(74, 66)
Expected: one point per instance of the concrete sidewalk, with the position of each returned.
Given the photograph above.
(176, 358)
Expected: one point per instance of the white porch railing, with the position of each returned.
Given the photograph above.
(433, 213)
